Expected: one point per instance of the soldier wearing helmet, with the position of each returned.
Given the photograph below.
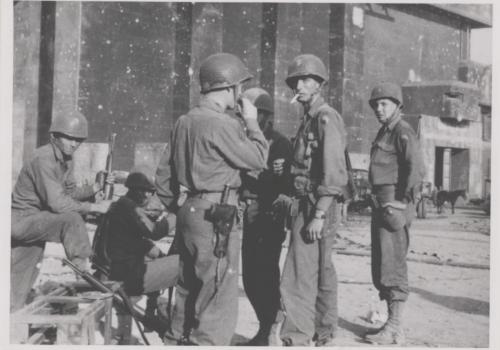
(263, 234)
(318, 172)
(209, 149)
(126, 248)
(47, 206)
(396, 168)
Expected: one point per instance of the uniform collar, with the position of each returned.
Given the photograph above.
(313, 110)
(210, 104)
(395, 119)
(58, 155)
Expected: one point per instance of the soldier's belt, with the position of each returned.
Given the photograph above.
(215, 197)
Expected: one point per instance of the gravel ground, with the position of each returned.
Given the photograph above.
(448, 305)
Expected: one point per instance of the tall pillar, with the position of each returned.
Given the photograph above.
(26, 46)
(66, 55)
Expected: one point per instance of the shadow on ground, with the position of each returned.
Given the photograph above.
(238, 339)
(461, 304)
(357, 329)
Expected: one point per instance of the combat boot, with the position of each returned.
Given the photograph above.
(392, 332)
(376, 330)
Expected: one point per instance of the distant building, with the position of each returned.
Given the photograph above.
(132, 69)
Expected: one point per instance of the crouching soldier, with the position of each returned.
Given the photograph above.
(47, 206)
(396, 168)
(134, 259)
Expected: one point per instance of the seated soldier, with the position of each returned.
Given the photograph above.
(134, 258)
(47, 206)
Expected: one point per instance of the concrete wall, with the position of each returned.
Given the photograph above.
(27, 19)
(436, 133)
(396, 43)
(132, 67)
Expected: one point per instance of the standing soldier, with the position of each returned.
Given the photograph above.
(309, 281)
(262, 233)
(47, 206)
(396, 167)
(209, 149)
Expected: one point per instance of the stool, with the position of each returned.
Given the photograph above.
(75, 326)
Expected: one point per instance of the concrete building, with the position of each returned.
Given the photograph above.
(132, 69)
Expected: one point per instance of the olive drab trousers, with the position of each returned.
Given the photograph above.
(390, 241)
(206, 299)
(309, 281)
(28, 236)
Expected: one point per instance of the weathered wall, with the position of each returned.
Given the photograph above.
(396, 43)
(126, 73)
(133, 67)
(436, 133)
(25, 90)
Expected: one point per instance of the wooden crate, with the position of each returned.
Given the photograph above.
(30, 324)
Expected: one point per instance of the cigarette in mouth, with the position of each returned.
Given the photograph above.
(294, 99)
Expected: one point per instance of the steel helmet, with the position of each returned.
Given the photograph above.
(386, 90)
(140, 181)
(72, 123)
(306, 65)
(222, 70)
(260, 98)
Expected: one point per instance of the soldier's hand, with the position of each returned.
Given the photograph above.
(395, 204)
(101, 207)
(111, 178)
(248, 110)
(314, 228)
(282, 204)
(154, 252)
(278, 166)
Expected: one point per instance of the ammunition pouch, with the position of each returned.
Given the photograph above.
(222, 217)
(394, 219)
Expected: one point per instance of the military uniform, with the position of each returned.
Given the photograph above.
(263, 234)
(46, 207)
(309, 282)
(209, 149)
(396, 167)
(129, 241)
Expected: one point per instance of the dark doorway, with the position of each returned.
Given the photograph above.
(452, 168)
(438, 172)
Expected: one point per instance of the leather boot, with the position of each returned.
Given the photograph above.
(260, 339)
(392, 332)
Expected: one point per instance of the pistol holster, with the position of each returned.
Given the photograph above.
(222, 216)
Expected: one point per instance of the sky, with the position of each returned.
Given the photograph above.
(481, 45)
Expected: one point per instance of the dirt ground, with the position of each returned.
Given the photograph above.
(449, 278)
